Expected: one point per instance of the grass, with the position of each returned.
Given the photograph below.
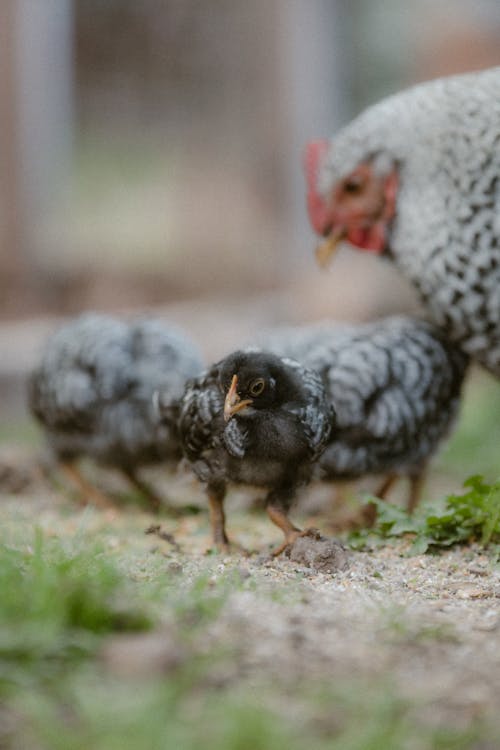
(56, 606)
(64, 600)
(106, 715)
(473, 448)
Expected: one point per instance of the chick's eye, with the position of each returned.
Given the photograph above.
(257, 386)
(353, 185)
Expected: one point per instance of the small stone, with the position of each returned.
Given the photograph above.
(319, 553)
(175, 568)
(243, 573)
(488, 624)
(15, 479)
(478, 570)
(474, 593)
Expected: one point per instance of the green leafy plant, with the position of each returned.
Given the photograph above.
(473, 516)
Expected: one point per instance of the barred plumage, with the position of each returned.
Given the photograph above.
(92, 391)
(395, 386)
(439, 217)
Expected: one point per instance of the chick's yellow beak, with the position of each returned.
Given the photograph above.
(233, 403)
(326, 249)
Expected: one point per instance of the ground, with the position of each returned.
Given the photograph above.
(385, 650)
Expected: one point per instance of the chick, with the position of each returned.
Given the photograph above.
(258, 419)
(92, 394)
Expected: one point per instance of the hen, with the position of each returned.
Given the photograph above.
(416, 178)
(257, 419)
(395, 384)
(92, 394)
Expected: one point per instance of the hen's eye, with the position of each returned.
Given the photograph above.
(353, 184)
(257, 386)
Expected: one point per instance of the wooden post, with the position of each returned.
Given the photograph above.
(12, 251)
(35, 128)
(313, 38)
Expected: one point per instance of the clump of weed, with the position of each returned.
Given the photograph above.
(473, 516)
(56, 607)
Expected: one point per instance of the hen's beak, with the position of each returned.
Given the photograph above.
(233, 402)
(326, 249)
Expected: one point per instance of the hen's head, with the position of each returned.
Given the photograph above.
(356, 206)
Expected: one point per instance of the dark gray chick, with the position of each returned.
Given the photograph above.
(92, 394)
(395, 385)
(258, 419)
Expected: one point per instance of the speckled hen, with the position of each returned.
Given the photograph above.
(416, 178)
(258, 419)
(92, 394)
(395, 385)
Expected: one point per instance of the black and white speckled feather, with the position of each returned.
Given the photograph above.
(395, 386)
(444, 136)
(92, 391)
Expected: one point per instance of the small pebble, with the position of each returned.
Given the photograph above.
(243, 573)
(175, 568)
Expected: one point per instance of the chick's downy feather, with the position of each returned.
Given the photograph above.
(269, 437)
(258, 446)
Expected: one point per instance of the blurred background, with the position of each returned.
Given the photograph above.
(151, 159)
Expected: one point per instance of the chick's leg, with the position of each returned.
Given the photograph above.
(90, 495)
(216, 493)
(279, 517)
(277, 510)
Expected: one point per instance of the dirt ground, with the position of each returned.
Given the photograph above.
(427, 625)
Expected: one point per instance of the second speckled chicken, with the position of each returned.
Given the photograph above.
(92, 394)
(395, 385)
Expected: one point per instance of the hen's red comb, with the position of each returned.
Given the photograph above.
(314, 154)
(319, 214)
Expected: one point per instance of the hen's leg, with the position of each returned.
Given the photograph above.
(386, 485)
(216, 493)
(89, 494)
(369, 512)
(348, 518)
(156, 502)
(416, 486)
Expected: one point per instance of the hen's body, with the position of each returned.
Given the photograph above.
(92, 391)
(395, 386)
(272, 442)
(441, 139)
